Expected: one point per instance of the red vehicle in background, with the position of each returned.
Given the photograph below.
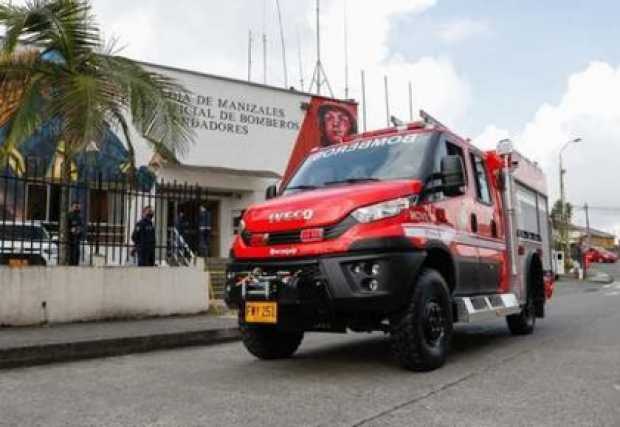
(405, 230)
(600, 255)
(610, 257)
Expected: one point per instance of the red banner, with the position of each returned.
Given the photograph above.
(327, 122)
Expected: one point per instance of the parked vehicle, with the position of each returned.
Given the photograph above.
(600, 255)
(26, 243)
(609, 257)
(406, 230)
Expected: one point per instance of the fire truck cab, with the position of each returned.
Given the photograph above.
(405, 230)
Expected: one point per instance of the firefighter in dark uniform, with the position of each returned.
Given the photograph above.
(204, 229)
(76, 232)
(143, 237)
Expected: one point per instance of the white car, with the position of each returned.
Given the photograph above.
(26, 243)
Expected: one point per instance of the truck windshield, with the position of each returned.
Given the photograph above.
(375, 159)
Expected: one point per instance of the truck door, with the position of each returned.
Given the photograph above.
(485, 227)
(454, 213)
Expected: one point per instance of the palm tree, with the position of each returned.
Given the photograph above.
(54, 65)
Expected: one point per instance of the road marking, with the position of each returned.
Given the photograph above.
(617, 387)
(613, 294)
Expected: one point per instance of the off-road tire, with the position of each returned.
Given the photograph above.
(269, 343)
(524, 322)
(416, 343)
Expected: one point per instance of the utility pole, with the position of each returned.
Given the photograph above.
(588, 233)
(563, 210)
(563, 213)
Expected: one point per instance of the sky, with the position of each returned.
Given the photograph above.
(541, 73)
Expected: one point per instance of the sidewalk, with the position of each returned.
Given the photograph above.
(57, 343)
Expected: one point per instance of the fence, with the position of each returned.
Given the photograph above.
(30, 213)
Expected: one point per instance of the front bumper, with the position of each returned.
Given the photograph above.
(329, 292)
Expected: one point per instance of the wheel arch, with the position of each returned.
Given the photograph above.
(439, 258)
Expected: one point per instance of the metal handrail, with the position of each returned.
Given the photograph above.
(181, 250)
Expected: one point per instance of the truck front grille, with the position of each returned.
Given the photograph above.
(294, 236)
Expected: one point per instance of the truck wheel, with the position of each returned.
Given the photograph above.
(269, 343)
(524, 322)
(421, 335)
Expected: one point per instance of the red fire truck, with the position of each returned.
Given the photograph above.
(405, 230)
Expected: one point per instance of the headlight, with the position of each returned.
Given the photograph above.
(382, 210)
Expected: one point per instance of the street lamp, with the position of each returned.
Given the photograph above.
(563, 213)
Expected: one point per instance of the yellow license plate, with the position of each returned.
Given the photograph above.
(261, 312)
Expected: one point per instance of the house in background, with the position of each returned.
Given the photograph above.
(598, 238)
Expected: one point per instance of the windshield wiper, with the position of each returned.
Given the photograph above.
(352, 181)
(302, 187)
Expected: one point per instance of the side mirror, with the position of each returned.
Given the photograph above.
(452, 175)
(271, 192)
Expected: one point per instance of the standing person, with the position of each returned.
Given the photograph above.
(578, 258)
(76, 231)
(204, 228)
(182, 225)
(143, 237)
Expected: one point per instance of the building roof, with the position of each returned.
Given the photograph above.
(594, 232)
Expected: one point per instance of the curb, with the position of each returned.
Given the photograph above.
(64, 352)
(603, 278)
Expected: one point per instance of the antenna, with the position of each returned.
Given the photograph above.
(264, 43)
(346, 52)
(364, 98)
(387, 100)
(319, 76)
(301, 63)
(410, 102)
(264, 58)
(283, 44)
(250, 42)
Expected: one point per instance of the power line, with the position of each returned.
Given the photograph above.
(610, 209)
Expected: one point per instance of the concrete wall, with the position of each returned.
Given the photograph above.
(36, 295)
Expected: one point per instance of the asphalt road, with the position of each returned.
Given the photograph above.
(567, 373)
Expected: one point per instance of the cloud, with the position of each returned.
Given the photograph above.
(438, 87)
(215, 41)
(461, 29)
(212, 37)
(490, 136)
(588, 109)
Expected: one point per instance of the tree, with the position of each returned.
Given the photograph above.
(556, 214)
(54, 65)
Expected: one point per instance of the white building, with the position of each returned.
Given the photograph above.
(245, 134)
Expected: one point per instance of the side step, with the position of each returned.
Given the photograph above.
(486, 307)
